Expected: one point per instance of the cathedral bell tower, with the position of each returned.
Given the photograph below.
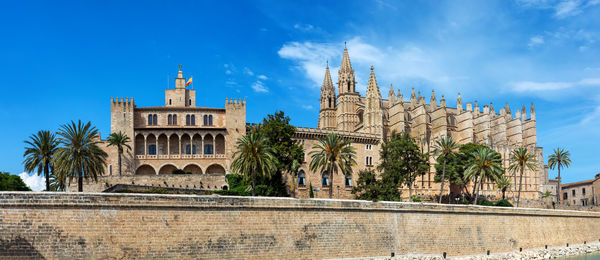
(180, 96)
(373, 122)
(328, 103)
(348, 98)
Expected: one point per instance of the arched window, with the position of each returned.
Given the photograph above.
(330, 103)
(348, 180)
(150, 119)
(190, 102)
(205, 120)
(193, 120)
(301, 178)
(152, 149)
(175, 119)
(170, 120)
(187, 119)
(325, 179)
(210, 120)
(409, 117)
(452, 120)
(188, 149)
(154, 121)
(169, 101)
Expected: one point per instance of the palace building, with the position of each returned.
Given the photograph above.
(201, 140)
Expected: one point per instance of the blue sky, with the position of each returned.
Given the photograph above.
(63, 61)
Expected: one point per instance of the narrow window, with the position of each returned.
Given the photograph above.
(565, 196)
(348, 181)
(150, 119)
(154, 120)
(348, 86)
(193, 120)
(208, 149)
(170, 120)
(325, 179)
(152, 149)
(188, 149)
(210, 120)
(169, 101)
(190, 102)
(205, 120)
(187, 119)
(330, 103)
(367, 160)
(175, 119)
(110, 169)
(193, 149)
(583, 191)
(301, 178)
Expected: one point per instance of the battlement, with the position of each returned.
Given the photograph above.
(235, 101)
(122, 102)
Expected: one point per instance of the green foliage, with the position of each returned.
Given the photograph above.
(235, 180)
(120, 140)
(487, 165)
(57, 183)
(484, 202)
(444, 146)
(10, 182)
(179, 171)
(332, 154)
(38, 155)
(311, 193)
(546, 194)
(254, 156)
(456, 164)
(80, 155)
(402, 160)
(369, 188)
(521, 159)
(415, 198)
(503, 203)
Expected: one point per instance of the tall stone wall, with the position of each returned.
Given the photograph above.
(111, 226)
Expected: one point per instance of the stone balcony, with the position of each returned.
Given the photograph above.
(178, 156)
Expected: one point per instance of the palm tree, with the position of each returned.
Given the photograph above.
(487, 165)
(559, 159)
(254, 155)
(444, 146)
(332, 154)
(38, 155)
(57, 183)
(503, 183)
(80, 156)
(295, 167)
(520, 159)
(120, 140)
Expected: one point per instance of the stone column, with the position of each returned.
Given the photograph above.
(168, 146)
(179, 145)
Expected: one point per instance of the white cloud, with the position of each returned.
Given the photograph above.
(535, 40)
(307, 107)
(304, 28)
(532, 86)
(228, 72)
(260, 87)
(567, 8)
(33, 181)
(247, 71)
(263, 77)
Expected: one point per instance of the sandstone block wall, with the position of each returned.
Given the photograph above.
(111, 226)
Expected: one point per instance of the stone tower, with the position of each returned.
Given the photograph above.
(327, 115)
(180, 96)
(373, 117)
(348, 98)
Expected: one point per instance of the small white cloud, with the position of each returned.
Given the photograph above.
(532, 86)
(247, 71)
(260, 87)
(307, 107)
(228, 72)
(304, 28)
(567, 8)
(263, 77)
(33, 181)
(535, 40)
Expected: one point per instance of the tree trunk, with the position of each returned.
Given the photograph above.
(120, 153)
(476, 191)
(443, 179)
(330, 183)
(409, 188)
(514, 186)
(558, 189)
(47, 173)
(474, 187)
(503, 193)
(520, 183)
(293, 185)
(253, 182)
(80, 181)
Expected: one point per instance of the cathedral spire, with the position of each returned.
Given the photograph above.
(346, 65)
(413, 98)
(373, 88)
(433, 100)
(392, 95)
(327, 82)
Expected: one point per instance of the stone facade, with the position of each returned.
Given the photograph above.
(349, 112)
(583, 193)
(178, 135)
(134, 226)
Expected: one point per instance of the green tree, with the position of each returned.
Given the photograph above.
(444, 146)
(561, 158)
(369, 188)
(120, 140)
(294, 173)
(278, 131)
(402, 160)
(521, 159)
(332, 154)
(253, 156)
(456, 165)
(10, 182)
(57, 183)
(487, 165)
(39, 152)
(503, 183)
(80, 155)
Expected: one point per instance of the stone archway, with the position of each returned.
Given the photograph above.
(145, 169)
(193, 168)
(167, 169)
(215, 169)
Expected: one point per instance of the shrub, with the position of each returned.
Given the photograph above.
(234, 180)
(484, 202)
(503, 203)
(178, 171)
(415, 198)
